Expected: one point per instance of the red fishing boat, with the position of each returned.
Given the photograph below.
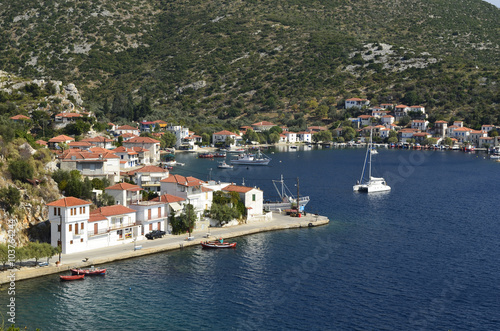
(217, 244)
(88, 272)
(75, 277)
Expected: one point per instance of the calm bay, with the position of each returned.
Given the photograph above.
(423, 256)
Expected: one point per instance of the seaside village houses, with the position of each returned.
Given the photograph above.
(76, 228)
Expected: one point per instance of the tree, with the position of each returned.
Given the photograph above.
(223, 213)
(4, 256)
(21, 170)
(447, 141)
(9, 198)
(392, 140)
(274, 138)
(169, 139)
(348, 133)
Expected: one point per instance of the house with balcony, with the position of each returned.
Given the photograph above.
(61, 139)
(151, 215)
(418, 109)
(291, 137)
(147, 126)
(151, 145)
(262, 126)
(180, 133)
(100, 141)
(421, 125)
(129, 158)
(148, 177)
(440, 128)
(487, 128)
(366, 119)
(252, 197)
(111, 226)
(404, 135)
(401, 111)
(421, 136)
(126, 129)
(387, 106)
(387, 120)
(68, 219)
(356, 102)
(378, 113)
(475, 135)
(173, 204)
(63, 119)
(191, 189)
(81, 145)
(92, 165)
(305, 136)
(124, 193)
(223, 136)
(462, 134)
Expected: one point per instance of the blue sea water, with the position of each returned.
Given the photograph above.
(423, 256)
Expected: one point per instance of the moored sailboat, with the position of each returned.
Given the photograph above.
(373, 184)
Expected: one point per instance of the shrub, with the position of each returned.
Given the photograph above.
(21, 170)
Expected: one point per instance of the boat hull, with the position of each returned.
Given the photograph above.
(216, 244)
(69, 278)
(88, 272)
(279, 206)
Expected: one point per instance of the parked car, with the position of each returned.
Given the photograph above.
(155, 234)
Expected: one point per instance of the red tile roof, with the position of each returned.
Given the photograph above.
(237, 188)
(146, 169)
(225, 133)
(356, 99)
(124, 187)
(61, 138)
(169, 198)
(20, 117)
(181, 180)
(142, 140)
(126, 127)
(68, 202)
(100, 214)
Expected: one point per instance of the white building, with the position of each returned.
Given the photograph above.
(126, 129)
(356, 102)
(76, 229)
(305, 136)
(92, 165)
(222, 136)
(253, 199)
(124, 193)
(180, 133)
(129, 158)
(150, 144)
(148, 177)
(68, 219)
(419, 125)
(291, 137)
(151, 215)
(111, 226)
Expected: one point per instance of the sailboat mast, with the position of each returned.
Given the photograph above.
(370, 148)
(298, 196)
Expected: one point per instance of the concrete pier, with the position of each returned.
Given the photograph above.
(169, 242)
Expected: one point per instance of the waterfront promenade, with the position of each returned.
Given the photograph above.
(169, 242)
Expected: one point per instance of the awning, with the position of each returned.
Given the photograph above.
(175, 206)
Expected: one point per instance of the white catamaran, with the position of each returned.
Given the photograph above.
(286, 198)
(373, 184)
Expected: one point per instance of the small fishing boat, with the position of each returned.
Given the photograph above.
(224, 165)
(220, 154)
(205, 156)
(74, 277)
(217, 244)
(89, 272)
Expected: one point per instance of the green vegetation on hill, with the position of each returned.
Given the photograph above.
(210, 64)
